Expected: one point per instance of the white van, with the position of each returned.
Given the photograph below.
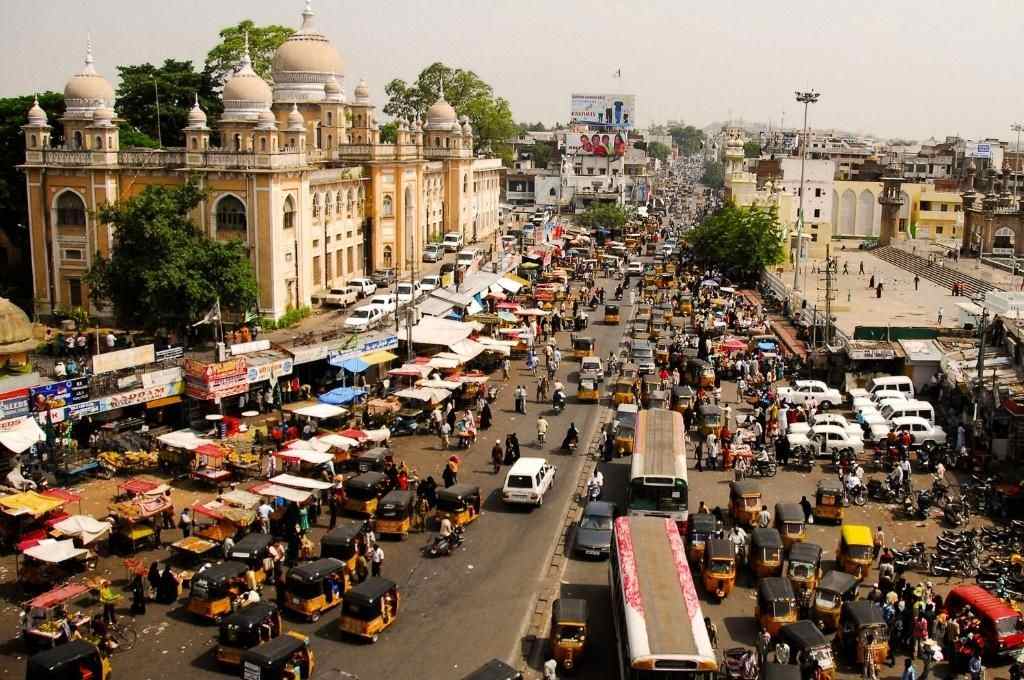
(527, 481)
(909, 407)
(467, 258)
(895, 383)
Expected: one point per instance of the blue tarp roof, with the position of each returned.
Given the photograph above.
(354, 365)
(342, 395)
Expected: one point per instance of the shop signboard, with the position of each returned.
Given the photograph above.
(141, 396)
(14, 404)
(247, 347)
(275, 369)
(341, 349)
(386, 343)
(59, 394)
(123, 358)
(210, 381)
(164, 377)
(11, 424)
(169, 353)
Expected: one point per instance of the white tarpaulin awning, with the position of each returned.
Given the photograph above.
(183, 439)
(429, 394)
(500, 346)
(21, 437)
(54, 551)
(311, 457)
(297, 482)
(432, 330)
(510, 285)
(320, 411)
(440, 384)
(337, 441)
(380, 435)
(239, 498)
(286, 492)
(467, 349)
(438, 361)
(85, 527)
(313, 444)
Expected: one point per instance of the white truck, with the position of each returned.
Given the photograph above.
(339, 297)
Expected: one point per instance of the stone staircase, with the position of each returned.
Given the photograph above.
(936, 273)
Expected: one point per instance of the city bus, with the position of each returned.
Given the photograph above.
(657, 473)
(659, 624)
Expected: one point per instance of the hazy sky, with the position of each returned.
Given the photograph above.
(892, 67)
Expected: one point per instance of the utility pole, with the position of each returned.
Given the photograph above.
(828, 296)
(982, 323)
(159, 132)
(805, 98)
(1018, 128)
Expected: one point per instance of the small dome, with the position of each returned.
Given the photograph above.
(244, 89)
(362, 91)
(296, 123)
(467, 129)
(15, 329)
(304, 52)
(36, 115)
(417, 126)
(267, 121)
(441, 116)
(196, 117)
(331, 87)
(103, 116)
(87, 89)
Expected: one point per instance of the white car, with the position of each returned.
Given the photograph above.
(879, 397)
(853, 429)
(364, 318)
(364, 286)
(925, 435)
(877, 425)
(635, 269)
(591, 368)
(386, 303)
(452, 242)
(429, 283)
(803, 390)
(528, 481)
(408, 292)
(834, 438)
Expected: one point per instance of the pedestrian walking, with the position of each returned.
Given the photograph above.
(186, 523)
(917, 281)
(940, 315)
(909, 672)
(861, 271)
(870, 671)
(446, 431)
(506, 369)
(376, 559)
(764, 641)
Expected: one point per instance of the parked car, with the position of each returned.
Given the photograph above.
(434, 252)
(593, 532)
(528, 481)
(384, 277)
(429, 283)
(364, 286)
(835, 419)
(385, 303)
(364, 318)
(591, 368)
(337, 297)
(803, 390)
(831, 438)
(452, 242)
(408, 292)
(925, 435)
(635, 269)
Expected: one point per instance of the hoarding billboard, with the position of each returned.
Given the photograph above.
(613, 111)
(979, 150)
(595, 144)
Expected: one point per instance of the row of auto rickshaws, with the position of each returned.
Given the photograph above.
(745, 502)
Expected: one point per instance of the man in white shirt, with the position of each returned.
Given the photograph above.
(264, 512)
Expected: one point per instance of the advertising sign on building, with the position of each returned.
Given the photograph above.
(170, 353)
(275, 369)
(167, 375)
(614, 111)
(123, 358)
(978, 150)
(59, 394)
(14, 404)
(211, 381)
(595, 144)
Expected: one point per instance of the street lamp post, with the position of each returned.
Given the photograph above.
(805, 98)
(159, 132)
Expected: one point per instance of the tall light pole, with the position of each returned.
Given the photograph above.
(159, 132)
(805, 98)
(1018, 128)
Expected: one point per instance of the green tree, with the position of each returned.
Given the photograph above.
(541, 153)
(689, 139)
(659, 151)
(751, 150)
(603, 215)
(714, 175)
(490, 116)
(133, 137)
(162, 270)
(532, 127)
(178, 83)
(389, 133)
(741, 240)
(222, 60)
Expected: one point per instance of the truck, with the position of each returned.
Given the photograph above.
(338, 297)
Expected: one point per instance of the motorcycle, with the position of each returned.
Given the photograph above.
(858, 495)
(802, 459)
(558, 401)
(915, 556)
(444, 546)
(956, 513)
(880, 490)
(593, 492)
(763, 465)
(917, 508)
(401, 427)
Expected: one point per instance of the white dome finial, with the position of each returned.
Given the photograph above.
(89, 68)
(246, 59)
(307, 18)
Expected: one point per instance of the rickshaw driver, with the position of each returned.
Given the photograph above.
(852, 482)
(738, 537)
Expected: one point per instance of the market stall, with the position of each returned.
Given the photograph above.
(135, 521)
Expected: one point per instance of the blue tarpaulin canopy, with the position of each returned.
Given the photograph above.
(342, 395)
(353, 365)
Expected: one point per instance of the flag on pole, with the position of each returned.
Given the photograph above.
(617, 74)
(211, 316)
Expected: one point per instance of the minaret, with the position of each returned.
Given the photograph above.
(891, 199)
(37, 131)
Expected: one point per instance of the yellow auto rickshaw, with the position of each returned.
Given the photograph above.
(709, 419)
(862, 630)
(682, 398)
(789, 520)
(811, 650)
(829, 500)
(345, 541)
(568, 638)
(719, 567)
(369, 608)
(394, 513)
(363, 492)
(776, 604)
(662, 350)
(856, 550)
(314, 587)
(611, 314)
(253, 550)
(287, 657)
(74, 660)
(700, 528)
(247, 628)
(588, 391)
(834, 589)
(685, 304)
(658, 399)
(583, 346)
(621, 391)
(766, 553)
(803, 569)
(625, 433)
(744, 501)
(213, 590)
(460, 503)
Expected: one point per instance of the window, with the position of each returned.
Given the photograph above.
(330, 119)
(33, 140)
(316, 243)
(387, 257)
(289, 213)
(316, 268)
(351, 261)
(73, 254)
(340, 264)
(938, 230)
(70, 210)
(328, 205)
(287, 257)
(230, 215)
(351, 203)
(327, 267)
(316, 205)
(817, 192)
(817, 212)
(552, 192)
(78, 139)
(263, 144)
(75, 292)
(389, 208)
(944, 207)
(327, 240)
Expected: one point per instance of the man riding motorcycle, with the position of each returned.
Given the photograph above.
(572, 438)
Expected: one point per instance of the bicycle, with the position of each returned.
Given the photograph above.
(123, 635)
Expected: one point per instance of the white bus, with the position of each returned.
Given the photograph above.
(659, 624)
(657, 474)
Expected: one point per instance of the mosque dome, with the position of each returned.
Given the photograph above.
(245, 93)
(362, 92)
(15, 329)
(104, 116)
(267, 120)
(88, 90)
(441, 116)
(305, 63)
(36, 115)
(196, 116)
(296, 122)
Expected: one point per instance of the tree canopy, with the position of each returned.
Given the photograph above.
(740, 240)
(541, 153)
(714, 175)
(751, 150)
(659, 151)
(604, 215)
(689, 139)
(163, 271)
(490, 116)
(222, 60)
(532, 127)
(178, 84)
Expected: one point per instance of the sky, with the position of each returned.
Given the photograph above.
(894, 68)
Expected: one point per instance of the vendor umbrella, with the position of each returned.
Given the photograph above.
(342, 395)
(354, 365)
(733, 345)
(709, 283)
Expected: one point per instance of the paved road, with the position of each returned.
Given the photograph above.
(456, 613)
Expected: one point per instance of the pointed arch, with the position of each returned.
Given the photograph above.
(865, 213)
(288, 212)
(71, 210)
(229, 218)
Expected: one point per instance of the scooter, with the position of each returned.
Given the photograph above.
(442, 546)
(558, 401)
